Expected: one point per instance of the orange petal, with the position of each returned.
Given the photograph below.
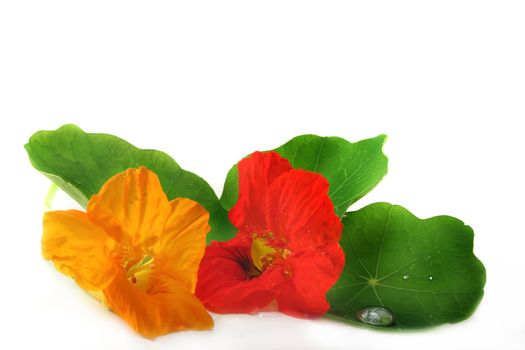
(164, 307)
(181, 247)
(79, 248)
(131, 207)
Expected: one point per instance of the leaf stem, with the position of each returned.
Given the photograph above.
(48, 201)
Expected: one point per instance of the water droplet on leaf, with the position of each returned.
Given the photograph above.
(375, 316)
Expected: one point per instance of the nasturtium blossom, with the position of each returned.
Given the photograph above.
(135, 251)
(286, 254)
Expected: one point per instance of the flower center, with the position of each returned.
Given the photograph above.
(138, 273)
(264, 254)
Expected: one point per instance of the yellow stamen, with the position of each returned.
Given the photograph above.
(138, 274)
(264, 255)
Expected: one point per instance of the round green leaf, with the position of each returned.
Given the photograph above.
(80, 163)
(423, 271)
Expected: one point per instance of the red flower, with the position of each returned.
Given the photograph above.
(286, 254)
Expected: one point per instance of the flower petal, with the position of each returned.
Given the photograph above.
(299, 210)
(313, 273)
(256, 173)
(79, 248)
(181, 247)
(131, 207)
(165, 306)
(224, 285)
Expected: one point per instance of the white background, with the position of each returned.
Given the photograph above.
(209, 82)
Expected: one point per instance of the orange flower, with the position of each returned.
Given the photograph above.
(135, 251)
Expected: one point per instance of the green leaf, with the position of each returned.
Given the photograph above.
(80, 163)
(352, 169)
(423, 271)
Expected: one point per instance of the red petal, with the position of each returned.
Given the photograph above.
(300, 211)
(256, 173)
(223, 285)
(313, 273)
